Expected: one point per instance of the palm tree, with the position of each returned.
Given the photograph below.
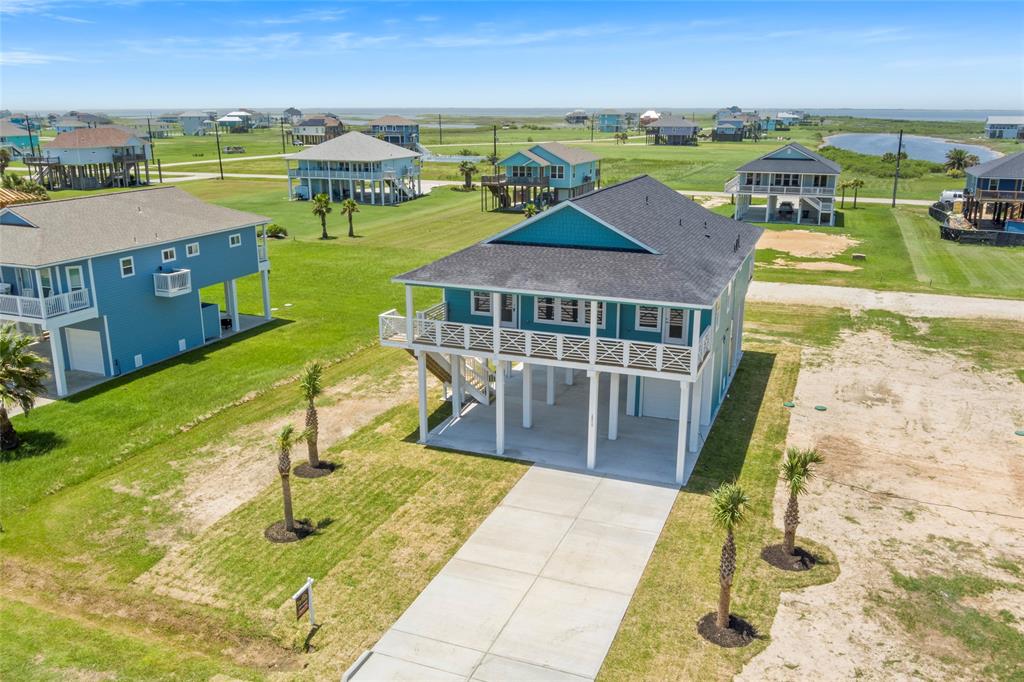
(23, 184)
(21, 380)
(349, 207)
(321, 207)
(959, 159)
(856, 184)
(5, 159)
(728, 506)
(530, 210)
(468, 168)
(842, 188)
(311, 385)
(285, 441)
(797, 469)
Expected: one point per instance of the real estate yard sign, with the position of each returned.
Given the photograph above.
(304, 601)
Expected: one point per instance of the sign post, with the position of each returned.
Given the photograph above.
(304, 601)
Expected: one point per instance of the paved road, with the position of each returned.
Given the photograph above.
(537, 592)
(849, 200)
(915, 305)
(226, 159)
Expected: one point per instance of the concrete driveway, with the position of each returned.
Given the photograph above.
(537, 592)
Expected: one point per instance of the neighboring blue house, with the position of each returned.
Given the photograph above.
(15, 139)
(115, 279)
(634, 281)
(789, 118)
(799, 186)
(68, 125)
(728, 130)
(610, 121)
(672, 130)
(544, 174)
(357, 166)
(90, 158)
(1005, 127)
(994, 194)
(396, 130)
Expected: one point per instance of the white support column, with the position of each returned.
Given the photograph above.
(695, 403)
(410, 313)
(707, 379)
(235, 322)
(568, 376)
(527, 395)
(421, 373)
(550, 371)
(499, 407)
(456, 365)
(57, 352)
(265, 284)
(613, 405)
(496, 323)
(631, 395)
(595, 378)
(593, 332)
(681, 443)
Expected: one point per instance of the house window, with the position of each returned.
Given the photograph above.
(568, 311)
(600, 314)
(235, 240)
(481, 303)
(168, 255)
(648, 317)
(558, 172)
(821, 181)
(127, 267)
(677, 324)
(545, 309)
(192, 250)
(75, 279)
(46, 281)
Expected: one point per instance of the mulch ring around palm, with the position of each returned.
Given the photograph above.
(276, 532)
(799, 560)
(739, 633)
(304, 470)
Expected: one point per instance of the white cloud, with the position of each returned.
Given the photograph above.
(307, 16)
(27, 57)
(68, 20)
(519, 39)
(351, 41)
(426, 18)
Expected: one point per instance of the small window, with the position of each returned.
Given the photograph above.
(127, 267)
(558, 172)
(481, 303)
(570, 310)
(235, 240)
(600, 313)
(75, 279)
(648, 317)
(168, 255)
(545, 309)
(192, 250)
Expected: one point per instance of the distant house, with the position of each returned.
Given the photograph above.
(235, 122)
(255, 119)
(151, 128)
(317, 129)
(544, 174)
(994, 194)
(90, 158)
(396, 130)
(90, 119)
(1005, 127)
(799, 186)
(789, 118)
(576, 117)
(15, 139)
(728, 130)
(66, 125)
(357, 166)
(672, 130)
(115, 279)
(292, 115)
(193, 122)
(649, 117)
(611, 121)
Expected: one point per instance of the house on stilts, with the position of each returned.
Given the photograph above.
(90, 158)
(542, 175)
(602, 334)
(799, 186)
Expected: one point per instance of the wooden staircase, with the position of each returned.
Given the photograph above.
(475, 381)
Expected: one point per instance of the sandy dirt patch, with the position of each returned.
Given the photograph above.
(710, 202)
(923, 474)
(805, 244)
(819, 265)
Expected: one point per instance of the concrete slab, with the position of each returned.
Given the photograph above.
(563, 626)
(629, 504)
(429, 652)
(583, 557)
(552, 491)
(382, 667)
(516, 539)
(501, 669)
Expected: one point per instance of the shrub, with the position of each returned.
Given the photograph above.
(955, 173)
(276, 231)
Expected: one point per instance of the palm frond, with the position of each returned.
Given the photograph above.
(22, 371)
(798, 468)
(311, 380)
(728, 505)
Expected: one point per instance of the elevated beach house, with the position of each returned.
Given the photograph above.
(115, 279)
(67, 125)
(672, 130)
(355, 165)
(194, 122)
(15, 139)
(612, 121)
(798, 184)
(994, 194)
(633, 291)
(544, 174)
(90, 158)
(317, 129)
(1005, 127)
(396, 130)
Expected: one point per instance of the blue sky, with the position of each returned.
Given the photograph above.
(137, 54)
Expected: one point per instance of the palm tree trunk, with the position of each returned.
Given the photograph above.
(8, 436)
(842, 202)
(722, 618)
(312, 428)
(286, 491)
(725, 572)
(323, 227)
(351, 232)
(855, 197)
(790, 521)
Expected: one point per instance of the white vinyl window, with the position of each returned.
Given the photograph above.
(127, 266)
(192, 250)
(648, 317)
(544, 309)
(235, 240)
(566, 311)
(557, 172)
(75, 279)
(481, 303)
(168, 255)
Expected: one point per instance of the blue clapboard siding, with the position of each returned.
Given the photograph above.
(569, 227)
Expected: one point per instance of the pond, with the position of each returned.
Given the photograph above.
(915, 146)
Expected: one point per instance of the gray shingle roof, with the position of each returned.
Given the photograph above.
(696, 253)
(573, 155)
(674, 122)
(354, 146)
(90, 226)
(1009, 166)
(392, 120)
(814, 163)
(1005, 120)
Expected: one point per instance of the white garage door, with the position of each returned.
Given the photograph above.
(85, 350)
(659, 398)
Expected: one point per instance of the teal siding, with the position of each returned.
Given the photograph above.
(569, 227)
(460, 310)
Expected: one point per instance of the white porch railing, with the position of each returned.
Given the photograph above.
(735, 185)
(44, 308)
(432, 331)
(175, 283)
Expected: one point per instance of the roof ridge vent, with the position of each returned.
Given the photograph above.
(736, 246)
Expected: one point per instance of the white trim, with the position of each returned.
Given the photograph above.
(171, 250)
(640, 328)
(110, 353)
(232, 243)
(188, 249)
(81, 276)
(473, 294)
(562, 206)
(131, 264)
(581, 306)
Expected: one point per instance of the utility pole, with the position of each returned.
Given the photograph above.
(149, 127)
(282, 135)
(494, 151)
(31, 143)
(220, 161)
(896, 177)
(440, 133)
(591, 127)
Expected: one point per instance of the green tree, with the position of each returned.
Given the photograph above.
(5, 159)
(468, 168)
(23, 184)
(21, 380)
(728, 507)
(960, 159)
(321, 208)
(530, 210)
(797, 469)
(349, 208)
(856, 184)
(286, 440)
(311, 386)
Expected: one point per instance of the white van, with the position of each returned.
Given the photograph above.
(951, 195)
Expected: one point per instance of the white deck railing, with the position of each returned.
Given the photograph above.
(172, 283)
(433, 331)
(44, 308)
(735, 185)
